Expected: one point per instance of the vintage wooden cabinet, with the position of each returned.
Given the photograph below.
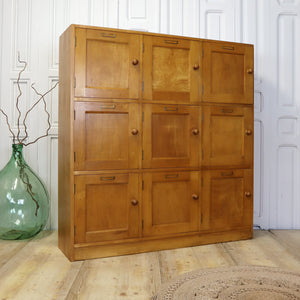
(155, 142)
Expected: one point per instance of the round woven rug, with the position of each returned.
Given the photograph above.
(240, 282)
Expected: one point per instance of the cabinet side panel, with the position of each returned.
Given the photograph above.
(65, 180)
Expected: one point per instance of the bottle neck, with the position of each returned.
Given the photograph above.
(17, 152)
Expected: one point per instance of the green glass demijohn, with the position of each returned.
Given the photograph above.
(24, 200)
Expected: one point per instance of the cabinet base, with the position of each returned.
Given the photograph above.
(89, 251)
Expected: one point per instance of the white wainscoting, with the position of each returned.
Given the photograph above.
(32, 27)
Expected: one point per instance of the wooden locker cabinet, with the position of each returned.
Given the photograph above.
(155, 142)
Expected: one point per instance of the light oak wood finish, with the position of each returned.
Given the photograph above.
(65, 144)
(172, 72)
(107, 136)
(171, 136)
(36, 269)
(112, 209)
(107, 64)
(138, 115)
(227, 200)
(228, 70)
(227, 136)
(170, 203)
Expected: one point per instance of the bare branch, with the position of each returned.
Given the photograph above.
(9, 128)
(20, 94)
(45, 109)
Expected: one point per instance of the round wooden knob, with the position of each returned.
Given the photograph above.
(196, 66)
(134, 202)
(250, 71)
(248, 131)
(134, 131)
(195, 196)
(195, 131)
(135, 62)
(247, 194)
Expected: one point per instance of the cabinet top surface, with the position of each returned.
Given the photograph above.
(73, 26)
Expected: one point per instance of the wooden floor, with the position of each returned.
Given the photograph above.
(36, 269)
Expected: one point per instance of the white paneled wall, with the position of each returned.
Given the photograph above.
(32, 27)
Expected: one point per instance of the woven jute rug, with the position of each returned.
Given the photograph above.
(240, 282)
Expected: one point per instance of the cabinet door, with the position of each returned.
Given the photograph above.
(171, 69)
(227, 73)
(227, 199)
(106, 207)
(227, 136)
(106, 136)
(170, 203)
(171, 136)
(107, 64)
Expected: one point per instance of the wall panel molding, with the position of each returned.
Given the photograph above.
(21, 33)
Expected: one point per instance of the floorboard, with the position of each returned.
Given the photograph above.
(37, 269)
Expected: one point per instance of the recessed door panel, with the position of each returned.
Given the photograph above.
(106, 207)
(227, 136)
(170, 202)
(106, 136)
(107, 64)
(171, 136)
(227, 199)
(172, 70)
(227, 73)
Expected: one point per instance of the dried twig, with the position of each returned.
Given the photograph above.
(45, 109)
(20, 93)
(42, 98)
(9, 128)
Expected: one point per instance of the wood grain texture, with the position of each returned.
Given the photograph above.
(168, 73)
(95, 281)
(229, 73)
(105, 66)
(168, 139)
(39, 270)
(227, 136)
(290, 239)
(264, 250)
(65, 143)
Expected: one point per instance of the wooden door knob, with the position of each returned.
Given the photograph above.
(196, 66)
(134, 202)
(195, 131)
(135, 62)
(195, 196)
(247, 194)
(250, 71)
(248, 131)
(134, 131)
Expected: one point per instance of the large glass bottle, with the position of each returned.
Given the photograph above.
(24, 200)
